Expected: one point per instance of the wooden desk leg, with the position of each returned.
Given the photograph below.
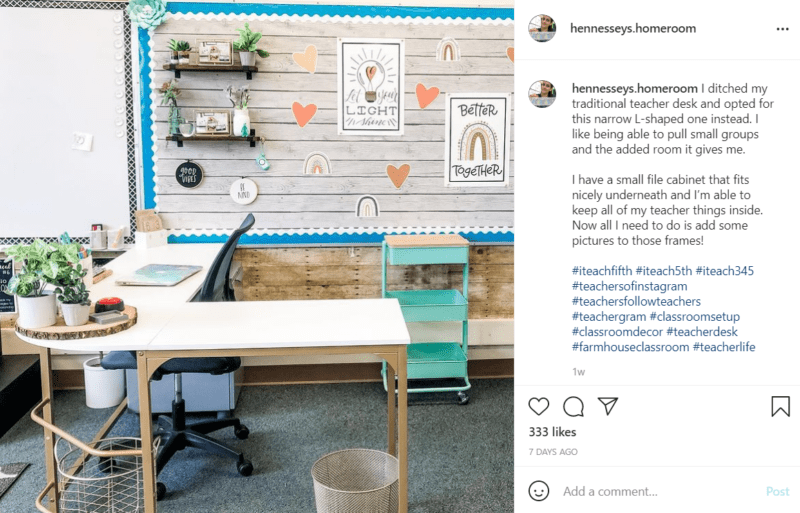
(45, 364)
(145, 421)
(402, 425)
(391, 413)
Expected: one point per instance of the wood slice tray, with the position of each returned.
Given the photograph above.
(60, 331)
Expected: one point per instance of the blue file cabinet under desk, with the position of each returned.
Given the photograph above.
(433, 360)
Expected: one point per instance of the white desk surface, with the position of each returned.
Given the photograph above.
(166, 321)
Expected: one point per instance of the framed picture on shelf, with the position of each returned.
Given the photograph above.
(214, 52)
(212, 122)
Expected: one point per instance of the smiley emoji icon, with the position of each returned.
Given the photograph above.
(539, 491)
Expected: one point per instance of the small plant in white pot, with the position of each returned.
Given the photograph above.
(241, 116)
(246, 46)
(74, 297)
(37, 309)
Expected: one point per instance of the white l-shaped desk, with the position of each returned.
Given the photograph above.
(169, 326)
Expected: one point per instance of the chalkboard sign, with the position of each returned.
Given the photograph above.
(189, 174)
(7, 302)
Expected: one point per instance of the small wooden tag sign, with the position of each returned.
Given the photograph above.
(189, 174)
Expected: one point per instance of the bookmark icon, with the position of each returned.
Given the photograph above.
(608, 403)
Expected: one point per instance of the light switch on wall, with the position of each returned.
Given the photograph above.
(81, 141)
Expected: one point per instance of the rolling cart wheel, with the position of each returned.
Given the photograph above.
(241, 432)
(161, 491)
(244, 467)
(463, 398)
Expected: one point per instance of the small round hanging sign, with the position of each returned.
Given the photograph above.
(189, 174)
(244, 191)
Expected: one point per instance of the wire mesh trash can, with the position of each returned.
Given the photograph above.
(101, 484)
(356, 480)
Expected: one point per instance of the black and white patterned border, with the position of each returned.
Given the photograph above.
(129, 103)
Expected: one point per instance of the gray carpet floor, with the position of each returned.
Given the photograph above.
(460, 457)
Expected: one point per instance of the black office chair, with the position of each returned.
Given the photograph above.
(175, 434)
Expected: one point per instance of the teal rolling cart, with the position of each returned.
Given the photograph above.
(434, 360)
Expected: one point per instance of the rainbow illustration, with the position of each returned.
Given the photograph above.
(478, 142)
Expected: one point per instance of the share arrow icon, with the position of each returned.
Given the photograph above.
(608, 403)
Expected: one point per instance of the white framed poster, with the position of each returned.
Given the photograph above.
(477, 138)
(370, 86)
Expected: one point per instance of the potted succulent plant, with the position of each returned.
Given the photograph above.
(241, 116)
(173, 51)
(246, 45)
(183, 49)
(42, 264)
(74, 297)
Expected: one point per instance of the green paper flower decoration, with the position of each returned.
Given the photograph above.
(147, 14)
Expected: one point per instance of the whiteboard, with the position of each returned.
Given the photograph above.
(62, 73)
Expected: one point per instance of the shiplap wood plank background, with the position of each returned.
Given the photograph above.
(287, 198)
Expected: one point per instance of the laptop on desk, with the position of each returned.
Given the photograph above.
(159, 275)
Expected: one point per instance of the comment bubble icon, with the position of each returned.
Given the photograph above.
(573, 406)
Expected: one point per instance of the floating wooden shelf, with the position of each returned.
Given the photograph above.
(177, 68)
(205, 138)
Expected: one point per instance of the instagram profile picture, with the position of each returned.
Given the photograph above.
(542, 28)
(542, 93)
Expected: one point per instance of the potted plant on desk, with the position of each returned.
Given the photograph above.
(74, 297)
(37, 309)
(246, 46)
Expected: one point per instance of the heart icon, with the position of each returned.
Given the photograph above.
(426, 96)
(538, 405)
(509, 53)
(398, 176)
(303, 114)
(371, 70)
(308, 59)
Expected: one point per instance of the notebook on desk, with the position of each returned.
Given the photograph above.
(159, 275)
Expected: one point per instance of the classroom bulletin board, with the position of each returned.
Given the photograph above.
(352, 106)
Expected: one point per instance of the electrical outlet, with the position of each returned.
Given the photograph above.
(81, 141)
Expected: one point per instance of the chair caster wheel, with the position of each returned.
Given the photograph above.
(161, 491)
(244, 467)
(463, 398)
(241, 432)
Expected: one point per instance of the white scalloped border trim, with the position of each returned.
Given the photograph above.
(350, 230)
(153, 124)
(416, 20)
(324, 19)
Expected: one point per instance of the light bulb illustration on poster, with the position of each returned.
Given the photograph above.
(370, 85)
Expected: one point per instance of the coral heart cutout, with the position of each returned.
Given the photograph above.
(308, 59)
(303, 114)
(426, 96)
(398, 176)
(509, 53)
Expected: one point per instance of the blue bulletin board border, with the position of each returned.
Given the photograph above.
(148, 191)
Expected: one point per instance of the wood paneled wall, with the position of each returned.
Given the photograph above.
(355, 272)
(287, 198)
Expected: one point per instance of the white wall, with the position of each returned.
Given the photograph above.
(59, 76)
